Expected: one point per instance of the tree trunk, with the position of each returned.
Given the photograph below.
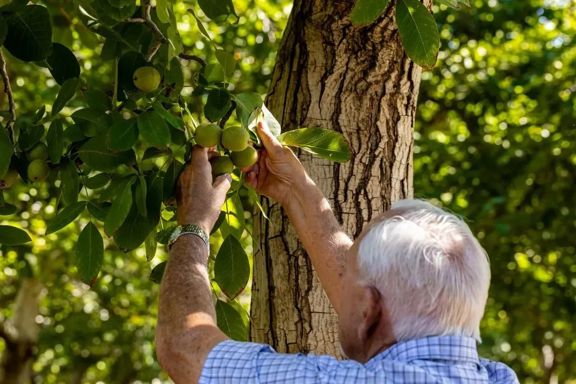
(20, 334)
(357, 81)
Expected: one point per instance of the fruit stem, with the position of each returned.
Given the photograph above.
(8, 92)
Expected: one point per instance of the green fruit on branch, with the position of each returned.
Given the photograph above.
(245, 158)
(39, 152)
(147, 79)
(9, 179)
(38, 170)
(221, 165)
(208, 135)
(235, 138)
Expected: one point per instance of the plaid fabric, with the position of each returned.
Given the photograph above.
(441, 359)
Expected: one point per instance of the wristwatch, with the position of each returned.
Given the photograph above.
(188, 229)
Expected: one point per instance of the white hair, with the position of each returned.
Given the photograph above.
(432, 272)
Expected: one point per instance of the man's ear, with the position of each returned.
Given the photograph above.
(371, 308)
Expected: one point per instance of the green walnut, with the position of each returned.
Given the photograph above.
(147, 79)
(38, 170)
(235, 138)
(221, 165)
(39, 152)
(9, 179)
(208, 135)
(245, 158)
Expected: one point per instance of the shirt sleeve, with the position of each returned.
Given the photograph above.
(234, 362)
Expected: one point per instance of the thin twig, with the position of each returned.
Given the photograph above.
(147, 20)
(8, 92)
(195, 58)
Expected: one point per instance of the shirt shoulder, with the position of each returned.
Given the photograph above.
(499, 373)
(234, 362)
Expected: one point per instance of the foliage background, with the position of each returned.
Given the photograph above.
(494, 143)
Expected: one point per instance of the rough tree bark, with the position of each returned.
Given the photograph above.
(20, 335)
(357, 81)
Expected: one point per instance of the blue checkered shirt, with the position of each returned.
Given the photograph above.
(439, 359)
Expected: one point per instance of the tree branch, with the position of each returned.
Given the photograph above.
(147, 20)
(8, 92)
(195, 58)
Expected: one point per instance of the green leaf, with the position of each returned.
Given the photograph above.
(231, 268)
(174, 76)
(234, 222)
(157, 272)
(99, 210)
(66, 93)
(153, 129)
(70, 183)
(174, 121)
(163, 10)
(325, 143)
(171, 179)
(120, 209)
(216, 8)
(55, 141)
(65, 217)
(140, 196)
(98, 157)
(214, 73)
(30, 135)
(418, 31)
(217, 105)
(29, 35)
(271, 121)
(8, 209)
(455, 3)
(231, 322)
(227, 61)
(3, 30)
(123, 134)
(13, 236)
(135, 230)
(246, 104)
(6, 151)
(89, 253)
(150, 245)
(63, 64)
(97, 181)
(367, 11)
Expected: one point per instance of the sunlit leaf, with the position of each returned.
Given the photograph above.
(325, 143)
(418, 31)
(120, 208)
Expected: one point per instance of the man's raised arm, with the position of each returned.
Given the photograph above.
(280, 176)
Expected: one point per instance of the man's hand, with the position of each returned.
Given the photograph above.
(278, 171)
(199, 198)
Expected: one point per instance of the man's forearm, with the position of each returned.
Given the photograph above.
(186, 329)
(322, 236)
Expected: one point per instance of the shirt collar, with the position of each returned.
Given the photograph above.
(448, 348)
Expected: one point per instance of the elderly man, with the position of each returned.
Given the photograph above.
(409, 292)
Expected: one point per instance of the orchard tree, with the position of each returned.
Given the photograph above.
(99, 159)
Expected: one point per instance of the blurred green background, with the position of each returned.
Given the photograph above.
(495, 143)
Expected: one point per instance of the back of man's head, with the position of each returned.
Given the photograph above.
(432, 272)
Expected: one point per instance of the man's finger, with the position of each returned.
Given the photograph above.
(222, 184)
(199, 155)
(271, 143)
